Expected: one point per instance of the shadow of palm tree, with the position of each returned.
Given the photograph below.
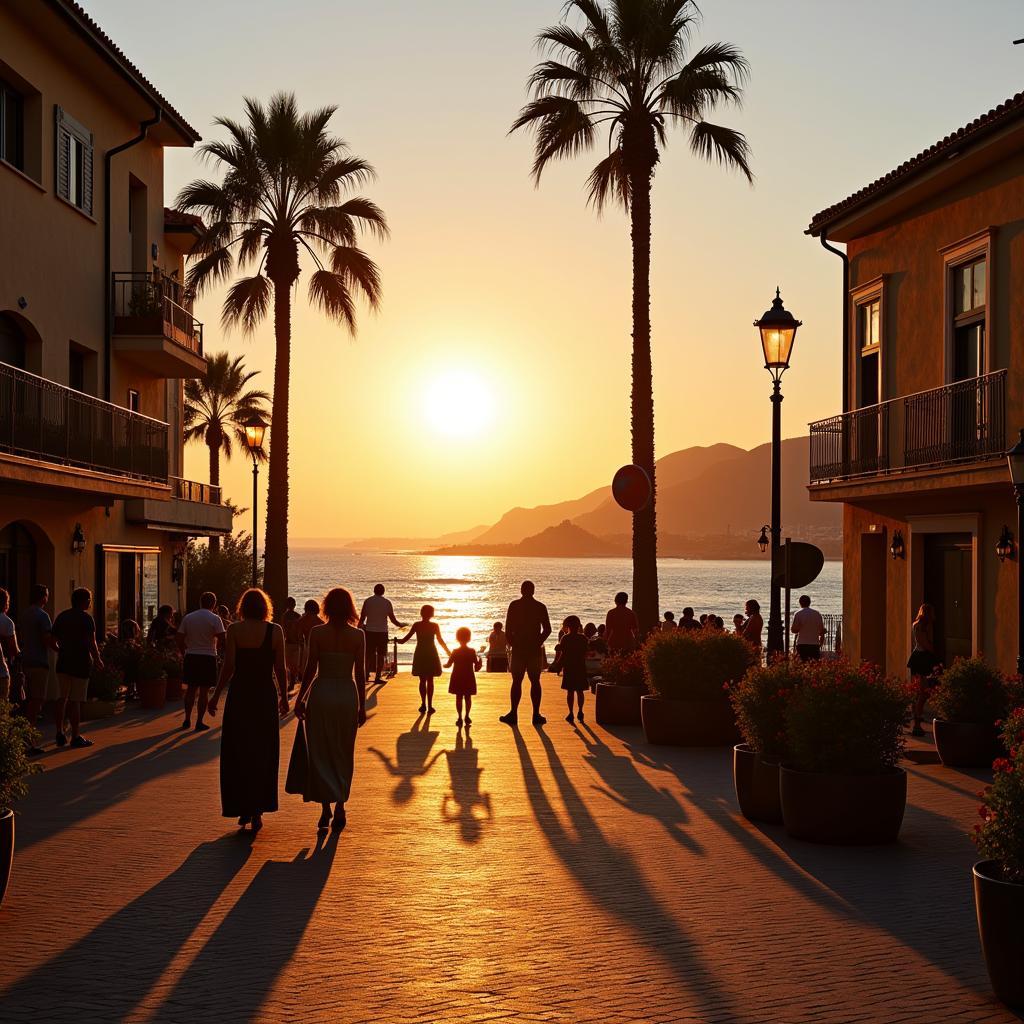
(461, 804)
(116, 964)
(412, 758)
(592, 860)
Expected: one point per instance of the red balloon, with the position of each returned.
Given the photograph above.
(631, 488)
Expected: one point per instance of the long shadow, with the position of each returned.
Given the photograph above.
(462, 803)
(593, 861)
(116, 964)
(412, 758)
(230, 977)
(630, 789)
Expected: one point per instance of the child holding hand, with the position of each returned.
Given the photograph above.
(464, 663)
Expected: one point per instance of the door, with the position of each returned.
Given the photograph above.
(949, 588)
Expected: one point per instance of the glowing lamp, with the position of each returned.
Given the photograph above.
(255, 427)
(1005, 545)
(778, 330)
(762, 541)
(897, 548)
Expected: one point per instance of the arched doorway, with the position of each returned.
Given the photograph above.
(20, 344)
(26, 557)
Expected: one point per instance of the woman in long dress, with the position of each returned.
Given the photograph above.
(250, 743)
(332, 703)
(426, 663)
(923, 662)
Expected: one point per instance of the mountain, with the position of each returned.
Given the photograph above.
(566, 540)
(414, 543)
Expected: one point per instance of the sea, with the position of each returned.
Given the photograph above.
(473, 591)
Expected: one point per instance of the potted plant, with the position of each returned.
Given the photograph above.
(999, 879)
(106, 687)
(152, 679)
(759, 702)
(172, 668)
(971, 696)
(617, 696)
(16, 736)
(844, 728)
(688, 672)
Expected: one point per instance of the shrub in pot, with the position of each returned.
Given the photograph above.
(688, 672)
(999, 878)
(841, 782)
(152, 679)
(125, 655)
(617, 696)
(16, 736)
(172, 669)
(971, 696)
(106, 689)
(759, 702)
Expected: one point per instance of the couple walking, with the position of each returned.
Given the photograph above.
(320, 768)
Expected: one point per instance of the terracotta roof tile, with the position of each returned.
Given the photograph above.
(177, 219)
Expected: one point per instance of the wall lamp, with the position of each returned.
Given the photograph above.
(78, 540)
(1005, 546)
(897, 548)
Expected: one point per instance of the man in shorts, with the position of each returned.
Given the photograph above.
(373, 619)
(527, 626)
(36, 632)
(809, 627)
(75, 633)
(199, 637)
(290, 623)
(8, 646)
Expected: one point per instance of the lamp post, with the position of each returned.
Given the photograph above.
(777, 328)
(1015, 460)
(255, 427)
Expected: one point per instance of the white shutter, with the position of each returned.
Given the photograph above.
(67, 128)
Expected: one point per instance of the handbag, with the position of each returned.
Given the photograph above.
(298, 764)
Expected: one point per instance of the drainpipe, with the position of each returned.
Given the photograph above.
(846, 315)
(108, 305)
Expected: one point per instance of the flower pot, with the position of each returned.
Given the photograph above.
(153, 692)
(965, 744)
(175, 688)
(851, 810)
(688, 723)
(6, 850)
(757, 785)
(618, 705)
(94, 709)
(1000, 907)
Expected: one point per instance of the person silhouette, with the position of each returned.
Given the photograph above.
(426, 664)
(527, 626)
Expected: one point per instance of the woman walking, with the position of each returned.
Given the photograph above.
(923, 662)
(332, 703)
(426, 663)
(250, 741)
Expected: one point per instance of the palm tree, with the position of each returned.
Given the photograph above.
(623, 64)
(284, 197)
(216, 408)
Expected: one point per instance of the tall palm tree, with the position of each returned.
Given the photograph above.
(216, 408)
(283, 200)
(624, 64)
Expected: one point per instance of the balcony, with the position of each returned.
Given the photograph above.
(948, 427)
(192, 509)
(154, 326)
(53, 435)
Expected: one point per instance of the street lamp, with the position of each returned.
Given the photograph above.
(1015, 461)
(762, 541)
(255, 428)
(778, 329)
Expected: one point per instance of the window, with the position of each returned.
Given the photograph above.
(74, 153)
(133, 400)
(869, 327)
(12, 126)
(129, 580)
(76, 370)
(969, 290)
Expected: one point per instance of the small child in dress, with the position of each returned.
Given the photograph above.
(464, 663)
(572, 660)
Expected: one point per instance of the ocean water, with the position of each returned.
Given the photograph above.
(475, 591)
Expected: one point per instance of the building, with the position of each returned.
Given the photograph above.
(96, 329)
(933, 373)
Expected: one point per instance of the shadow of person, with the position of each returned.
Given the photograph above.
(120, 960)
(412, 758)
(631, 790)
(462, 803)
(592, 860)
(231, 976)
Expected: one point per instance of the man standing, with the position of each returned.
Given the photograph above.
(36, 631)
(688, 622)
(292, 642)
(377, 612)
(8, 646)
(623, 628)
(809, 627)
(75, 633)
(527, 626)
(200, 634)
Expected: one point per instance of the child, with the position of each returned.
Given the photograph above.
(572, 660)
(464, 663)
(426, 664)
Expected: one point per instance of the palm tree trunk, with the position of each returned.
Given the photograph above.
(214, 482)
(275, 567)
(645, 533)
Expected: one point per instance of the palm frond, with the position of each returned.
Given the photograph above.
(609, 182)
(723, 146)
(329, 293)
(209, 270)
(561, 128)
(247, 303)
(358, 272)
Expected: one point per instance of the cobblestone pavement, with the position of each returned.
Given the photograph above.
(562, 874)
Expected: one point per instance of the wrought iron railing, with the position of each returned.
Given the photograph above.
(154, 304)
(49, 422)
(193, 490)
(960, 422)
(833, 633)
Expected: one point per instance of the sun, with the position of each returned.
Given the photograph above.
(460, 404)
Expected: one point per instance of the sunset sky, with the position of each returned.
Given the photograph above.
(497, 372)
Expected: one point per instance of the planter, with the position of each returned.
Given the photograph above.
(1000, 907)
(6, 850)
(689, 723)
(618, 705)
(175, 689)
(757, 785)
(965, 744)
(94, 709)
(153, 692)
(851, 810)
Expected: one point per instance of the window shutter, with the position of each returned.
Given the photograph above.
(67, 129)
